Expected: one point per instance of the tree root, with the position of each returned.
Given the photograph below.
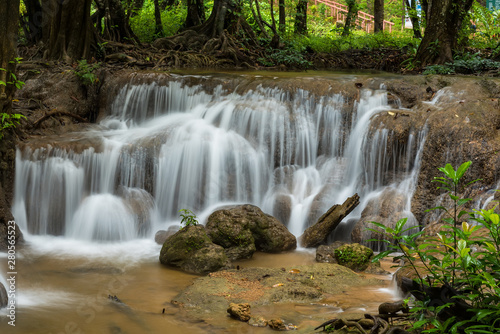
(379, 321)
(37, 123)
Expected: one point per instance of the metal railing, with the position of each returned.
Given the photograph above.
(365, 20)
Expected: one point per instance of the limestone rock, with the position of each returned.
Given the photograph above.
(243, 229)
(162, 235)
(239, 311)
(277, 324)
(192, 250)
(319, 232)
(387, 209)
(354, 256)
(257, 322)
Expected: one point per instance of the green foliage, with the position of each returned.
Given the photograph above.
(464, 64)
(460, 257)
(188, 218)
(143, 23)
(85, 72)
(289, 57)
(13, 78)
(9, 121)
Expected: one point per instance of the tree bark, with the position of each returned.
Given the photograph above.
(68, 35)
(412, 10)
(444, 20)
(301, 18)
(195, 14)
(378, 10)
(9, 23)
(158, 26)
(214, 26)
(116, 23)
(318, 233)
(351, 17)
(282, 16)
(32, 21)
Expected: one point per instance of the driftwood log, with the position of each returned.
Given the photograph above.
(317, 234)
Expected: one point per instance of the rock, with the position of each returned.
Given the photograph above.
(394, 307)
(240, 312)
(162, 235)
(277, 324)
(192, 250)
(387, 209)
(282, 207)
(4, 299)
(242, 230)
(326, 253)
(354, 256)
(319, 232)
(257, 322)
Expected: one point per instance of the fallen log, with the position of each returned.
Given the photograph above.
(317, 234)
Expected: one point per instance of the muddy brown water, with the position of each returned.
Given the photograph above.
(63, 286)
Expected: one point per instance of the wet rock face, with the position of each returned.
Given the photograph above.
(191, 250)
(387, 209)
(242, 230)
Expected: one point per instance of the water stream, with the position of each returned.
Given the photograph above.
(90, 203)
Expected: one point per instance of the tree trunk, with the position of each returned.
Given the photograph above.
(9, 23)
(32, 21)
(351, 17)
(158, 26)
(412, 10)
(378, 10)
(282, 16)
(116, 23)
(444, 20)
(195, 14)
(301, 18)
(219, 18)
(68, 35)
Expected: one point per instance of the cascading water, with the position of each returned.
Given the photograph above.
(169, 146)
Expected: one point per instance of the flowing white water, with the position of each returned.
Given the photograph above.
(165, 147)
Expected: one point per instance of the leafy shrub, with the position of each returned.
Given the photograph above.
(9, 121)
(85, 72)
(461, 263)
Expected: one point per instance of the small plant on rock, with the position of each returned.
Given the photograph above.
(188, 218)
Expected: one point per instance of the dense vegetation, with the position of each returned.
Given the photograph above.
(269, 33)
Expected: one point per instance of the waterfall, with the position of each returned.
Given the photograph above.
(167, 146)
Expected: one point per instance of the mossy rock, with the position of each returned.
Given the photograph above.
(354, 256)
(191, 250)
(243, 229)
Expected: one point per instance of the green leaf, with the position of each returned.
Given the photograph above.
(462, 169)
(463, 201)
(484, 313)
(400, 224)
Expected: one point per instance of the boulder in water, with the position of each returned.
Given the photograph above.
(326, 253)
(243, 229)
(354, 256)
(162, 235)
(191, 250)
(239, 311)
